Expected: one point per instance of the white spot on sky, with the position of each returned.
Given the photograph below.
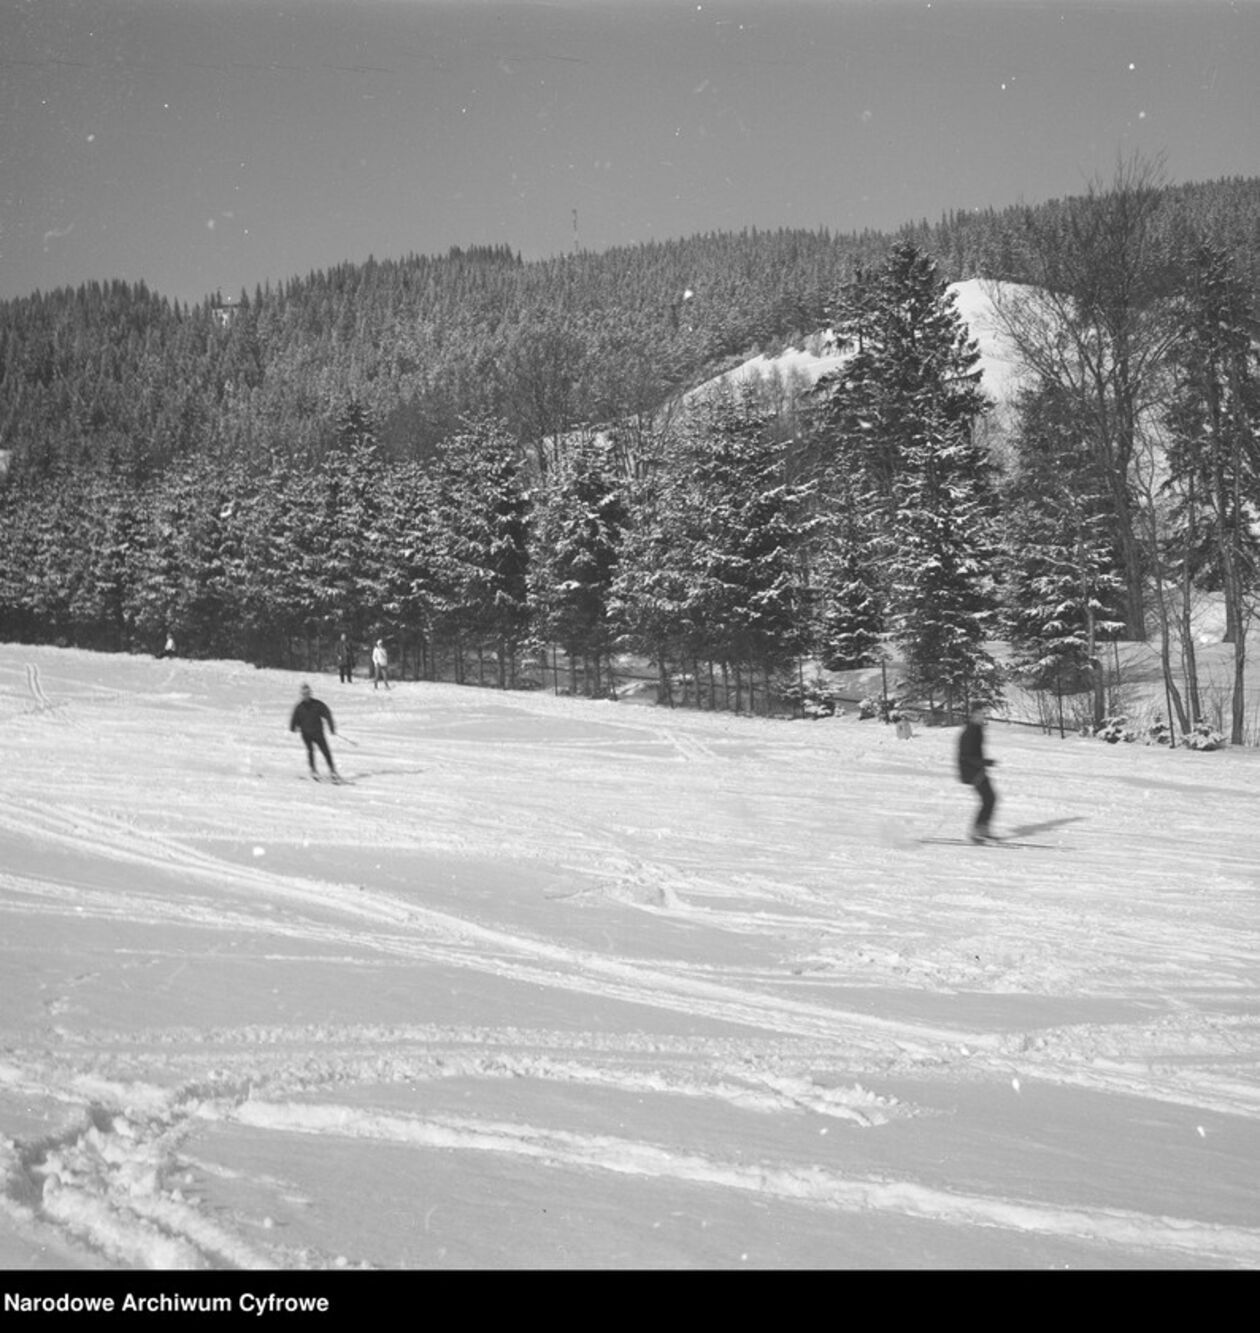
(866, 115)
(1141, 115)
(209, 224)
(1132, 66)
(91, 138)
(56, 233)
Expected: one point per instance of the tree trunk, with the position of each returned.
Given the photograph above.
(1165, 659)
(1236, 710)
(666, 693)
(1189, 662)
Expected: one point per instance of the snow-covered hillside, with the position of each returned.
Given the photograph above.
(569, 984)
(974, 301)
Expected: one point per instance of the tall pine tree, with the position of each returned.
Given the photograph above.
(941, 606)
(579, 515)
(481, 518)
(907, 479)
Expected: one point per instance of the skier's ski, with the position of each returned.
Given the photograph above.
(987, 842)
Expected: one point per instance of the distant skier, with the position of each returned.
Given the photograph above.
(973, 770)
(380, 665)
(345, 660)
(309, 717)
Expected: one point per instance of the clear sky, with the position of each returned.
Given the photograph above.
(210, 145)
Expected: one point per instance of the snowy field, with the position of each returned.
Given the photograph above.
(567, 984)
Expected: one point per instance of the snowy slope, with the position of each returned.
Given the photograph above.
(561, 983)
(974, 303)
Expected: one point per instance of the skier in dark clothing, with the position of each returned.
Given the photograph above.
(309, 717)
(973, 770)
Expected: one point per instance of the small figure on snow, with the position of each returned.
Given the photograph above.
(345, 660)
(973, 770)
(380, 665)
(309, 717)
(168, 648)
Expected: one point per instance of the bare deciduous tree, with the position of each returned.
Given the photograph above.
(1093, 320)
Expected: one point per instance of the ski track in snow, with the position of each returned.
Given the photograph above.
(749, 933)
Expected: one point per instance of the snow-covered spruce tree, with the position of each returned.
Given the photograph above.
(751, 607)
(941, 606)
(849, 595)
(901, 469)
(1062, 581)
(109, 543)
(579, 514)
(279, 567)
(314, 553)
(650, 599)
(711, 568)
(356, 555)
(909, 353)
(1213, 456)
(481, 523)
(20, 548)
(406, 581)
(45, 564)
(187, 584)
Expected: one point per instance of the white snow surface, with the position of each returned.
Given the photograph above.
(566, 984)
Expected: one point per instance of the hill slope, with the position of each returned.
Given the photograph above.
(560, 984)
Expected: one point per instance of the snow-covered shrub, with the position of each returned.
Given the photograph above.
(1159, 733)
(1204, 737)
(1115, 729)
(815, 698)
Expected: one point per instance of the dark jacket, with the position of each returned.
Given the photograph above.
(309, 718)
(971, 760)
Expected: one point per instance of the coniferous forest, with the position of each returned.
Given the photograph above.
(495, 464)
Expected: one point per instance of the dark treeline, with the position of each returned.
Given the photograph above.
(487, 460)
